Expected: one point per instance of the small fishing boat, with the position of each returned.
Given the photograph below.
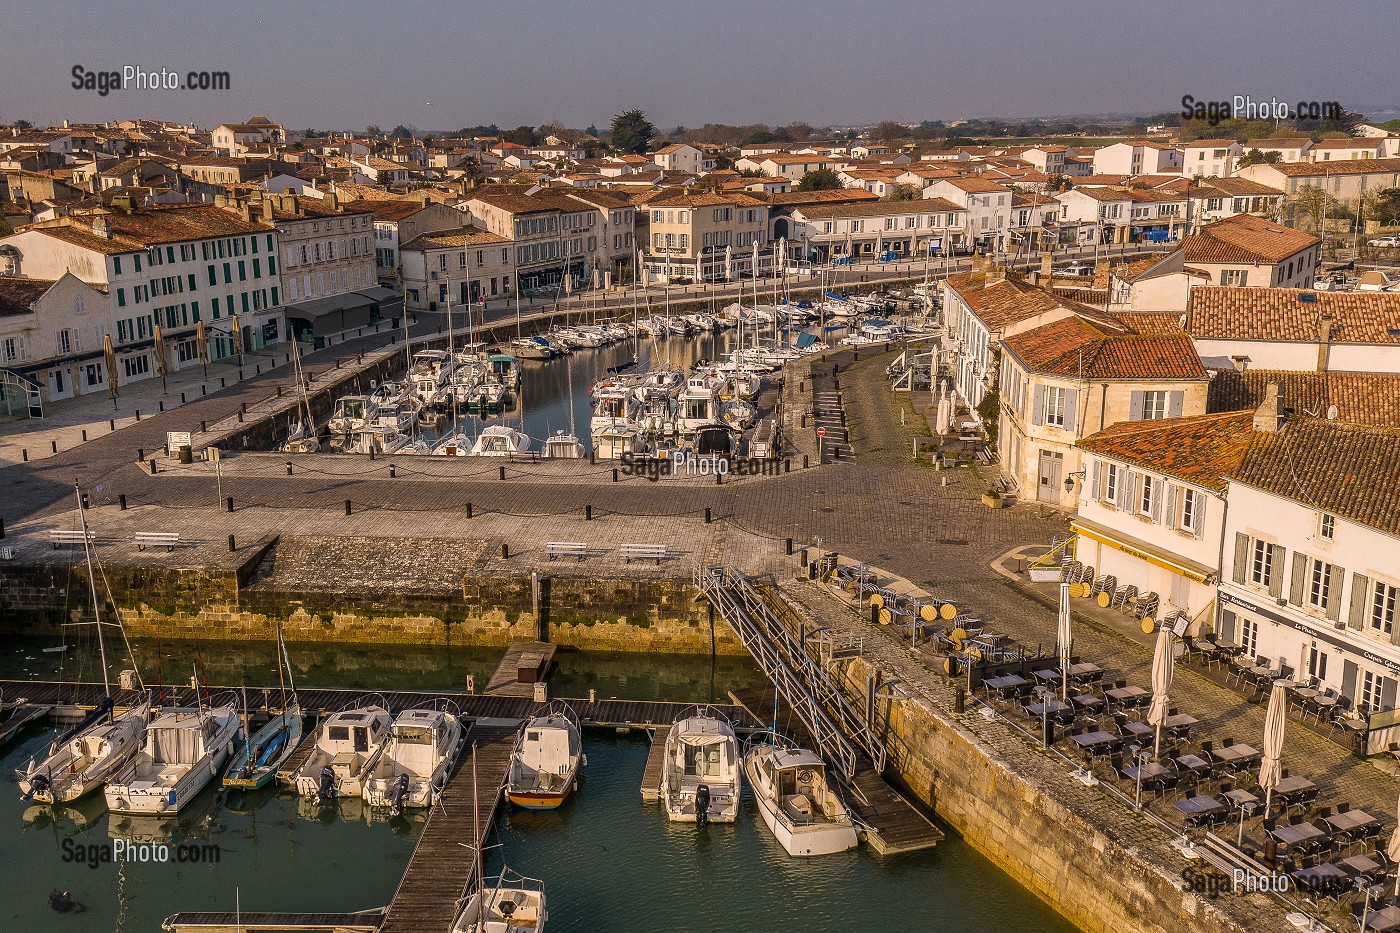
(511, 904)
(562, 445)
(453, 445)
(185, 748)
(545, 762)
(500, 440)
(352, 412)
(795, 799)
(347, 746)
(533, 348)
(701, 773)
(265, 750)
(415, 763)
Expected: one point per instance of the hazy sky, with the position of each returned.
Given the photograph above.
(346, 64)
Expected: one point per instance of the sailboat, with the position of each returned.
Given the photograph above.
(185, 748)
(302, 438)
(512, 904)
(265, 750)
(561, 446)
(83, 758)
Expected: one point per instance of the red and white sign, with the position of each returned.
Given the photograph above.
(821, 432)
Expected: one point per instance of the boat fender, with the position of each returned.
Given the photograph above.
(702, 805)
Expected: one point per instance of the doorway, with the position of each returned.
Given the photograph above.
(1052, 468)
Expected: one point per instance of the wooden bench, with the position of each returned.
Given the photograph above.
(656, 552)
(165, 539)
(62, 536)
(566, 549)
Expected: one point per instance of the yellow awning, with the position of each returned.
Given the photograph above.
(1141, 550)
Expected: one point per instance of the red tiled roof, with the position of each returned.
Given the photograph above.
(1289, 314)
(1077, 349)
(1359, 398)
(1244, 238)
(1201, 449)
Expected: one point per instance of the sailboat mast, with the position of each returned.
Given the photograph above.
(92, 588)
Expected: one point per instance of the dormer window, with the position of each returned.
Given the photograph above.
(1327, 526)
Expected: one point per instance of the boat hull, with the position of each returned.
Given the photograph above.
(539, 800)
(799, 841)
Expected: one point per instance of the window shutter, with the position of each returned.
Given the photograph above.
(1276, 570)
(1335, 576)
(1135, 406)
(1096, 480)
(1138, 481)
(23, 349)
(1174, 402)
(1125, 488)
(1360, 595)
(1169, 513)
(1387, 693)
(1241, 556)
(1156, 499)
(1300, 572)
(1227, 626)
(1071, 408)
(1038, 405)
(1349, 679)
(1200, 503)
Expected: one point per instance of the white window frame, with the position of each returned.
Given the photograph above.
(1381, 613)
(1147, 498)
(1249, 636)
(1110, 485)
(1261, 562)
(1319, 584)
(1054, 414)
(1155, 405)
(1190, 509)
(1327, 526)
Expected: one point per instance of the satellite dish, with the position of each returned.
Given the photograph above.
(1332, 412)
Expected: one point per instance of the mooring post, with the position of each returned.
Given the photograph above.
(469, 510)
(614, 479)
(121, 502)
(152, 464)
(588, 513)
(789, 547)
(505, 551)
(393, 470)
(347, 506)
(231, 545)
(503, 473)
(228, 500)
(289, 468)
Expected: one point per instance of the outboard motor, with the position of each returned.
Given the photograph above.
(39, 784)
(326, 789)
(702, 805)
(397, 794)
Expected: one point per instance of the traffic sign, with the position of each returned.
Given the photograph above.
(821, 432)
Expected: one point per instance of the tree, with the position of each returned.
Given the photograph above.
(1256, 157)
(592, 131)
(372, 130)
(521, 136)
(23, 125)
(632, 132)
(799, 131)
(757, 137)
(821, 179)
(1386, 208)
(401, 132)
(888, 131)
(1311, 201)
(901, 193)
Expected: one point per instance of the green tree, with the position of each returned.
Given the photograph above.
(23, 125)
(521, 136)
(888, 131)
(821, 179)
(632, 132)
(757, 137)
(901, 193)
(401, 132)
(1386, 207)
(1256, 157)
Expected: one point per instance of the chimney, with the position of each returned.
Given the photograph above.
(102, 227)
(1269, 416)
(1047, 265)
(1324, 342)
(245, 208)
(267, 210)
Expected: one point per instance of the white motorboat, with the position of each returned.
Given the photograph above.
(185, 748)
(422, 747)
(533, 348)
(488, 395)
(505, 369)
(545, 762)
(374, 438)
(500, 440)
(618, 439)
(561, 445)
(85, 756)
(613, 403)
(352, 412)
(454, 445)
(700, 780)
(428, 375)
(796, 800)
(347, 746)
(739, 414)
(699, 403)
(510, 904)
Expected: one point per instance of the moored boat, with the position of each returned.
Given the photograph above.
(347, 746)
(701, 774)
(796, 800)
(185, 748)
(415, 763)
(545, 763)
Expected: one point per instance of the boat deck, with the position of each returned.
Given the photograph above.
(895, 824)
(532, 658)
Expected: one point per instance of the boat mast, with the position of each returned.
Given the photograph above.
(92, 588)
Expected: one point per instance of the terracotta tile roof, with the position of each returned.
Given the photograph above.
(1245, 238)
(878, 208)
(513, 198)
(1289, 314)
(1077, 349)
(1282, 142)
(16, 295)
(386, 210)
(446, 239)
(1096, 181)
(1153, 322)
(1232, 187)
(1372, 143)
(1002, 303)
(672, 197)
(1210, 144)
(1340, 167)
(84, 238)
(974, 185)
(1360, 398)
(1349, 470)
(838, 195)
(1201, 449)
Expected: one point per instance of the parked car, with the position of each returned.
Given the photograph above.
(1385, 242)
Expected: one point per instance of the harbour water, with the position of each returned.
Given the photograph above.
(609, 861)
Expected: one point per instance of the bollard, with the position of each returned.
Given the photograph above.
(709, 516)
(121, 502)
(371, 452)
(593, 456)
(111, 424)
(228, 503)
(503, 472)
(53, 446)
(804, 419)
(25, 455)
(347, 506)
(505, 551)
(231, 545)
(243, 408)
(289, 468)
(789, 547)
(203, 389)
(2, 526)
(138, 414)
(222, 384)
(279, 391)
(203, 427)
(84, 437)
(614, 474)
(240, 375)
(140, 453)
(469, 510)
(240, 417)
(719, 479)
(960, 702)
(588, 513)
(393, 470)
(152, 464)
(805, 463)
(874, 615)
(257, 367)
(182, 398)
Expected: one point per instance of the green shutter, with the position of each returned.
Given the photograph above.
(1241, 557)
(1296, 590)
(1360, 597)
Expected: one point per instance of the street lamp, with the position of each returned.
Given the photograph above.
(1069, 480)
